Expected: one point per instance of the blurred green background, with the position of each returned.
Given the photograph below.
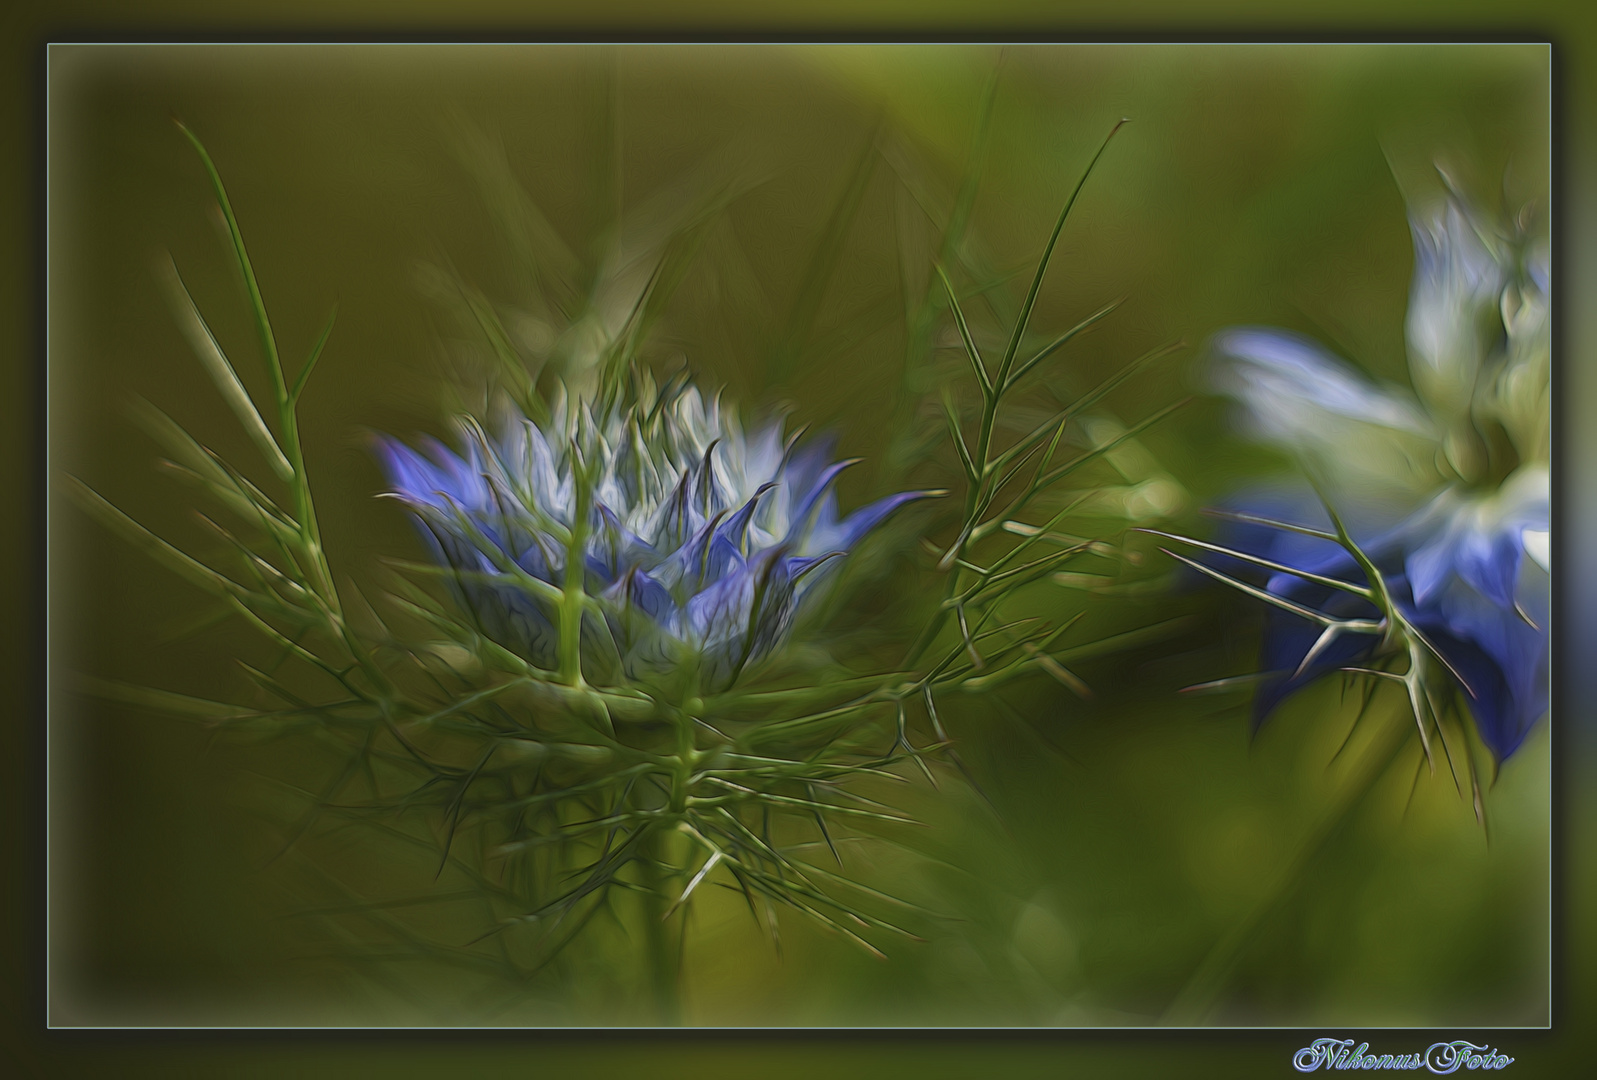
(1124, 835)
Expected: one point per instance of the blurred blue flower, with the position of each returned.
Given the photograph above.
(1446, 486)
(699, 541)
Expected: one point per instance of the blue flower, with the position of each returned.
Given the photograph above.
(700, 542)
(1446, 487)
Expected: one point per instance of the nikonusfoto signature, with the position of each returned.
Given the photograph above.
(1442, 1057)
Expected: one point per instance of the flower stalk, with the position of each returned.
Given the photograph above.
(607, 678)
(1437, 601)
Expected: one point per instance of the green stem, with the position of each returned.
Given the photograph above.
(918, 336)
(574, 596)
(1197, 999)
(663, 863)
(304, 509)
(660, 951)
(288, 423)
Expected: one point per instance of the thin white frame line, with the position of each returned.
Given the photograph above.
(49, 560)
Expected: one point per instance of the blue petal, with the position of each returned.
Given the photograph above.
(1500, 657)
(644, 593)
(1489, 562)
(867, 517)
(731, 535)
(1290, 506)
(1289, 638)
(707, 493)
(1271, 369)
(1503, 659)
(407, 470)
(416, 479)
(721, 558)
(743, 617)
(703, 577)
(674, 520)
(802, 518)
(465, 476)
(503, 613)
(614, 546)
(688, 568)
(806, 462)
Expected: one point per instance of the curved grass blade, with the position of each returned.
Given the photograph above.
(221, 371)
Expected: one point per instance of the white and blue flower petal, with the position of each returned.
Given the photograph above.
(1303, 400)
(699, 536)
(1457, 285)
(1453, 555)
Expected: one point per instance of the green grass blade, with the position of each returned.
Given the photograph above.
(1254, 519)
(162, 701)
(316, 354)
(1042, 264)
(1280, 568)
(221, 371)
(185, 566)
(252, 287)
(1062, 340)
(304, 509)
(1097, 452)
(1258, 594)
(201, 466)
(1377, 580)
(257, 304)
(958, 439)
(964, 335)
